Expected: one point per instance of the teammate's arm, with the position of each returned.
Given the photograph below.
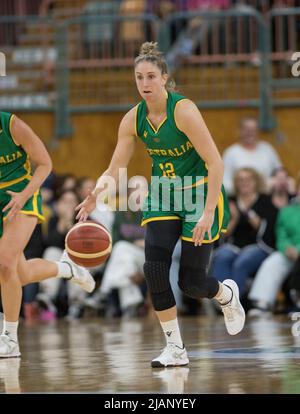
(120, 159)
(190, 121)
(24, 136)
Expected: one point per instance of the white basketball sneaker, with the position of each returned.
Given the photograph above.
(233, 311)
(171, 356)
(8, 347)
(80, 275)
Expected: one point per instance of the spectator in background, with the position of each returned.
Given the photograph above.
(276, 268)
(249, 152)
(163, 9)
(63, 183)
(197, 30)
(282, 187)
(250, 235)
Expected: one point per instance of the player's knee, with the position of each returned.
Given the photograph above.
(7, 266)
(192, 282)
(157, 278)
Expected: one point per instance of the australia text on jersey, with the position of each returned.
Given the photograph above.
(174, 152)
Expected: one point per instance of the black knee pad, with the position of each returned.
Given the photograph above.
(158, 254)
(157, 278)
(196, 284)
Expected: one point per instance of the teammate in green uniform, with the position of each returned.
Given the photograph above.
(186, 165)
(21, 209)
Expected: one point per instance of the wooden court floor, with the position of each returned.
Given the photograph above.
(99, 356)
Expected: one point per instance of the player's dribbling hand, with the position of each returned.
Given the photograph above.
(86, 207)
(203, 226)
(15, 205)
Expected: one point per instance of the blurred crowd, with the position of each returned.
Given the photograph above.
(260, 249)
(189, 34)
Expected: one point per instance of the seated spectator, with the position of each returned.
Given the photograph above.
(282, 187)
(249, 152)
(63, 183)
(250, 236)
(278, 265)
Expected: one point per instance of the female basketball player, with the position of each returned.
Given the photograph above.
(180, 145)
(20, 203)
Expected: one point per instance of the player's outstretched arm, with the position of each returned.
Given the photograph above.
(120, 159)
(24, 136)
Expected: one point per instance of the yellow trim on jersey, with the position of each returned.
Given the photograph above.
(190, 239)
(184, 99)
(12, 137)
(159, 218)
(196, 184)
(15, 181)
(153, 127)
(29, 213)
(33, 213)
(27, 165)
(136, 120)
(220, 210)
(35, 202)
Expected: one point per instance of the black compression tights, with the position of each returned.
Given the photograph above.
(161, 238)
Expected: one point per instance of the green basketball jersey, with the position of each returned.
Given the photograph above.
(175, 160)
(172, 153)
(14, 161)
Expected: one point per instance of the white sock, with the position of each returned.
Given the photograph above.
(172, 332)
(1, 321)
(11, 329)
(224, 295)
(64, 270)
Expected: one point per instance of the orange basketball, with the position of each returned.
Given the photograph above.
(88, 244)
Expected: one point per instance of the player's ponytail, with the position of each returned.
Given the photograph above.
(149, 52)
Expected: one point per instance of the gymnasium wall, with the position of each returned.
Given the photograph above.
(90, 148)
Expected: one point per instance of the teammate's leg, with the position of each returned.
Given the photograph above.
(15, 271)
(161, 238)
(37, 270)
(15, 237)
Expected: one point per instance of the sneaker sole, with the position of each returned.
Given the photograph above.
(11, 356)
(157, 364)
(86, 288)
